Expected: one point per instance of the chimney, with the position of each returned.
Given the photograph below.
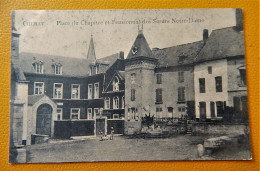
(239, 19)
(121, 55)
(205, 34)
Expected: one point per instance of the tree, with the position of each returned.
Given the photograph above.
(148, 120)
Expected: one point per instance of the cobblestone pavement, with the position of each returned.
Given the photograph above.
(182, 147)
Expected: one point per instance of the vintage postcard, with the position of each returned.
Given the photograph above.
(128, 85)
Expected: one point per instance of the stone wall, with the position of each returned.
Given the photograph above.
(219, 129)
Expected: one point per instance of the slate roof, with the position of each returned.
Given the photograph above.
(222, 43)
(170, 56)
(122, 74)
(107, 62)
(142, 47)
(70, 66)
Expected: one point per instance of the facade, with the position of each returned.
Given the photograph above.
(219, 74)
(47, 88)
(196, 80)
(159, 82)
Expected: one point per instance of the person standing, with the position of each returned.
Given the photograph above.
(112, 133)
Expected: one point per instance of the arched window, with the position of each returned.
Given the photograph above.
(107, 103)
(116, 84)
(115, 102)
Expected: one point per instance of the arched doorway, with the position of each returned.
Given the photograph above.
(43, 119)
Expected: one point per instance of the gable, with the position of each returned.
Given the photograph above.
(119, 77)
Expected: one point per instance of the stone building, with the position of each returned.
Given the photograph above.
(219, 73)
(159, 82)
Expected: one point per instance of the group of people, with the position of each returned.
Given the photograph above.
(105, 137)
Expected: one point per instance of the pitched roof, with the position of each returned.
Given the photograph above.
(140, 48)
(107, 62)
(121, 74)
(170, 56)
(222, 43)
(70, 66)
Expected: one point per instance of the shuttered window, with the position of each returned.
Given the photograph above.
(132, 94)
(212, 109)
(181, 94)
(202, 85)
(159, 95)
(218, 81)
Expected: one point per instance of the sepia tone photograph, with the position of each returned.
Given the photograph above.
(128, 85)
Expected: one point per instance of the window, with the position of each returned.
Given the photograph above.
(218, 81)
(132, 94)
(240, 104)
(181, 59)
(181, 94)
(115, 102)
(74, 112)
(181, 109)
(220, 108)
(90, 91)
(202, 106)
(115, 116)
(96, 90)
(58, 91)
(38, 88)
(202, 85)
(123, 102)
(116, 84)
(96, 113)
(158, 112)
(242, 77)
(159, 78)
(58, 69)
(159, 95)
(75, 91)
(59, 113)
(181, 77)
(133, 78)
(209, 69)
(90, 113)
(212, 109)
(107, 103)
(38, 67)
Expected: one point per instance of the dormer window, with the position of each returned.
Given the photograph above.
(116, 84)
(58, 69)
(181, 58)
(38, 67)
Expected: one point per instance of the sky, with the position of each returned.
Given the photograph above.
(67, 33)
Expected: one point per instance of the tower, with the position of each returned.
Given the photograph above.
(139, 89)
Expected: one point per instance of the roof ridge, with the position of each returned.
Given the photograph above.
(21, 53)
(181, 45)
(223, 28)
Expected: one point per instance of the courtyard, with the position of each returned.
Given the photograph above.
(181, 147)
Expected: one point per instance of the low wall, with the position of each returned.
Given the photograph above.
(118, 126)
(219, 128)
(65, 129)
